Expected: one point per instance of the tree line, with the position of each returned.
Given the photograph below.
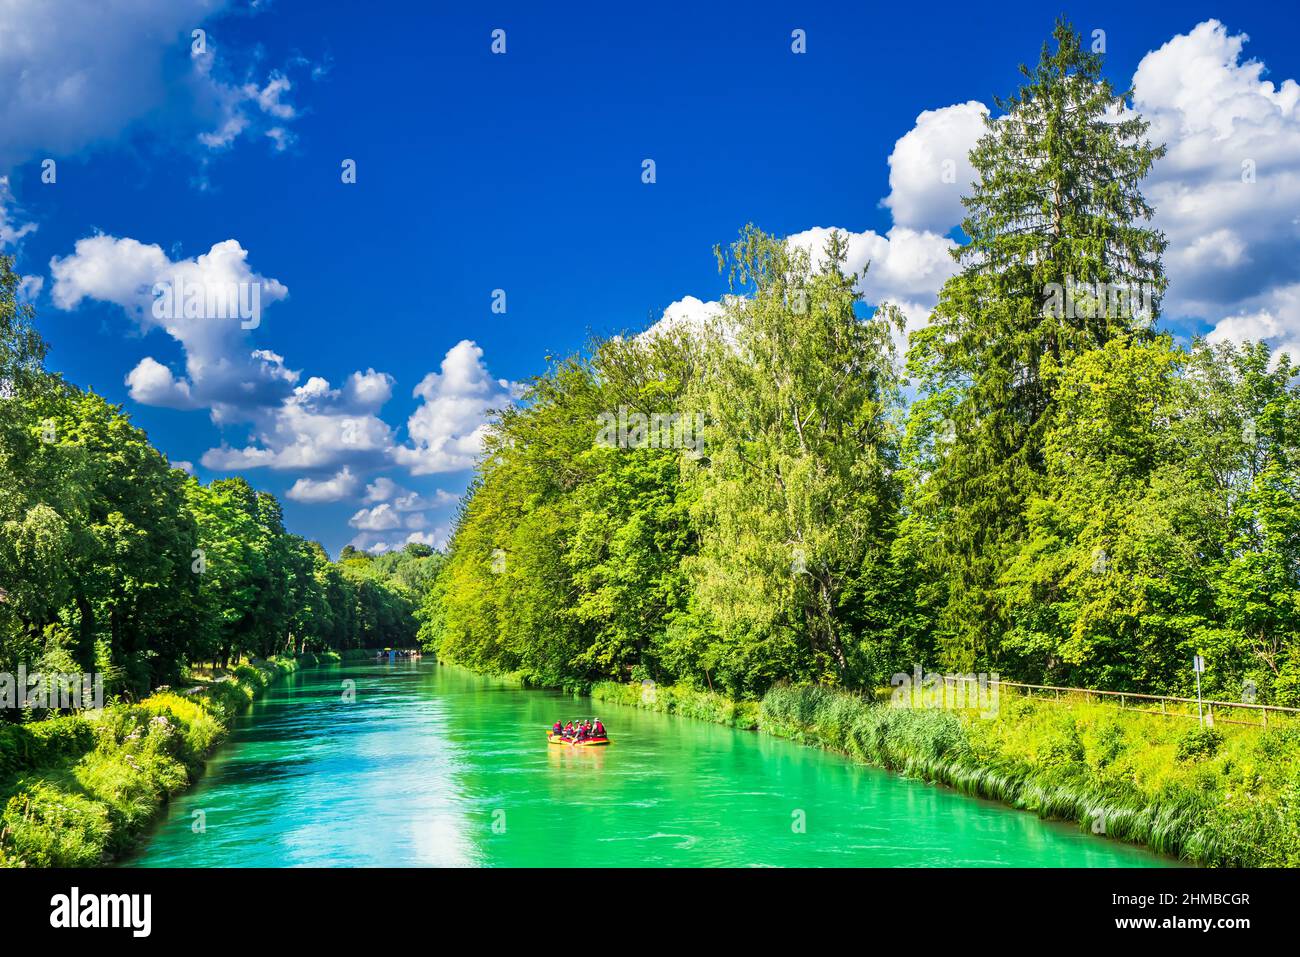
(113, 561)
(1045, 485)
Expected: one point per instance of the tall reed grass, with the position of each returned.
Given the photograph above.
(1217, 797)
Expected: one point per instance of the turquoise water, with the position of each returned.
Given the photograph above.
(433, 766)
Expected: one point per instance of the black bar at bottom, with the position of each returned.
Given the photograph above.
(334, 907)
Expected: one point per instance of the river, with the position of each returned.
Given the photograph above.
(434, 766)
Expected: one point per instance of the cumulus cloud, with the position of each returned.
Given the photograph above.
(930, 170)
(1277, 322)
(907, 268)
(221, 372)
(152, 383)
(308, 427)
(343, 484)
(384, 489)
(688, 313)
(381, 518)
(447, 430)
(905, 265)
(295, 425)
(312, 428)
(368, 390)
(1227, 194)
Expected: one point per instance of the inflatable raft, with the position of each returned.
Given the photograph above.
(553, 738)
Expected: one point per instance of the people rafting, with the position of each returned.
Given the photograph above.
(558, 730)
(568, 730)
(599, 729)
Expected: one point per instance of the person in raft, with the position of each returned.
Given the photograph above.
(558, 730)
(568, 730)
(600, 729)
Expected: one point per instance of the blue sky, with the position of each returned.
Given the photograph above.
(523, 172)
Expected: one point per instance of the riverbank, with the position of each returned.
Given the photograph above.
(78, 790)
(1225, 796)
(443, 767)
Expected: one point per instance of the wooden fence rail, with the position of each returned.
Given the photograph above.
(1264, 710)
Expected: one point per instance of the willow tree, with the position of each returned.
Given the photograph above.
(796, 495)
(1057, 260)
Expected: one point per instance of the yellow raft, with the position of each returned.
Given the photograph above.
(553, 738)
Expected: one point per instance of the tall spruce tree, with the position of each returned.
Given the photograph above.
(1057, 260)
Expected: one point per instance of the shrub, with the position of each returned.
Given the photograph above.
(1199, 743)
(48, 827)
(26, 746)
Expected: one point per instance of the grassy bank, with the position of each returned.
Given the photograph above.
(78, 790)
(1225, 796)
(678, 699)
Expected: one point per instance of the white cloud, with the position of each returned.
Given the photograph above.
(1234, 246)
(384, 489)
(447, 429)
(341, 485)
(1273, 316)
(907, 268)
(378, 543)
(245, 107)
(906, 265)
(222, 372)
(10, 230)
(29, 287)
(930, 170)
(381, 518)
(312, 428)
(152, 383)
(687, 313)
(78, 74)
(369, 389)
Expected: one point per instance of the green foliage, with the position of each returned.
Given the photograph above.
(796, 505)
(47, 827)
(1199, 743)
(681, 700)
(79, 791)
(1056, 203)
(114, 562)
(26, 746)
(1070, 498)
